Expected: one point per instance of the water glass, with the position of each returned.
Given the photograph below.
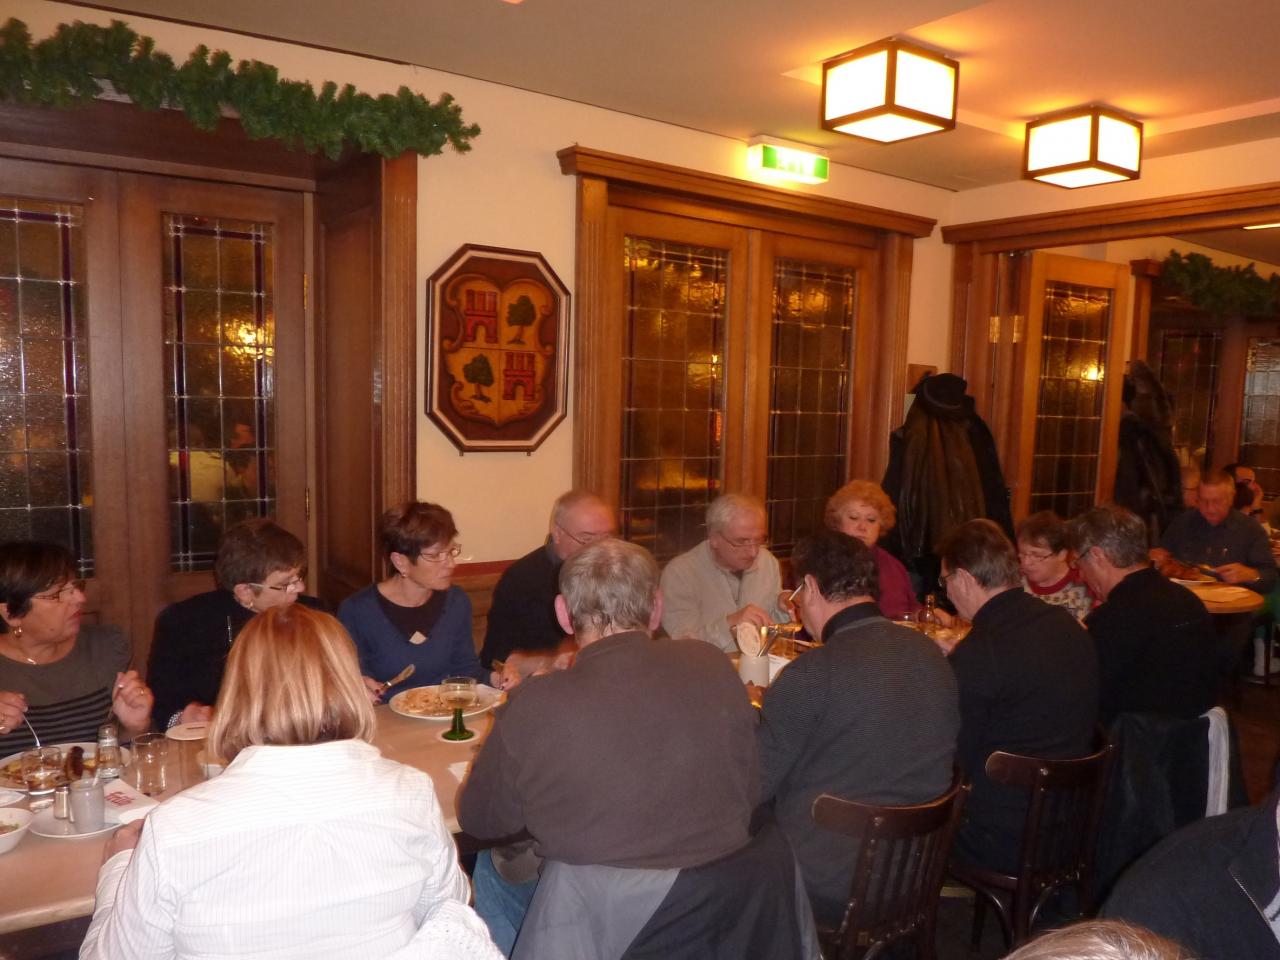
(42, 771)
(88, 805)
(149, 753)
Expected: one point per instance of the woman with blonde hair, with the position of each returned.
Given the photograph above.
(863, 510)
(310, 844)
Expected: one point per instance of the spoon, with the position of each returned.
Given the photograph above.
(400, 677)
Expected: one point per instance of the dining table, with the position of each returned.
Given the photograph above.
(46, 881)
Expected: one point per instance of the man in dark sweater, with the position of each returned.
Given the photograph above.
(641, 755)
(1156, 643)
(522, 615)
(871, 715)
(1028, 680)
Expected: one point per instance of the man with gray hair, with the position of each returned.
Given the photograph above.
(640, 756)
(522, 615)
(1156, 643)
(727, 579)
(1028, 681)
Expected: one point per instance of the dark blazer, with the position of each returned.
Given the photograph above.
(190, 646)
(1211, 887)
(523, 615)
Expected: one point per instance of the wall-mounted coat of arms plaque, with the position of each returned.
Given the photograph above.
(497, 349)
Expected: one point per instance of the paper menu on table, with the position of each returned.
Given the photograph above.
(126, 804)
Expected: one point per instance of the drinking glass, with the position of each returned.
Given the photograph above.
(458, 693)
(42, 772)
(149, 752)
(88, 805)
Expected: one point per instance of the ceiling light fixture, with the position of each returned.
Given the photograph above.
(889, 90)
(771, 159)
(1263, 226)
(1082, 147)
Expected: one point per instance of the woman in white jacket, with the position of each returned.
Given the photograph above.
(310, 844)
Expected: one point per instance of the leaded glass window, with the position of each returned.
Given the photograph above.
(1260, 426)
(673, 392)
(1189, 372)
(1077, 325)
(813, 321)
(45, 479)
(219, 338)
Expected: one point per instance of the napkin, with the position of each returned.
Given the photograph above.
(124, 803)
(459, 770)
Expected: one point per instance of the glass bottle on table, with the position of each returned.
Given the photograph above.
(927, 620)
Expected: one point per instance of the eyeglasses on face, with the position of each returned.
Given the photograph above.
(452, 552)
(296, 585)
(1034, 556)
(65, 592)
(743, 543)
(583, 539)
(943, 578)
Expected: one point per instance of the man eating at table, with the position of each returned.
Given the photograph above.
(727, 579)
(633, 770)
(1218, 540)
(871, 715)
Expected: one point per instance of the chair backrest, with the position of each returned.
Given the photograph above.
(898, 872)
(1064, 808)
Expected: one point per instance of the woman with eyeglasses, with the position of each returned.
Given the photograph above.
(62, 678)
(414, 616)
(259, 565)
(1045, 561)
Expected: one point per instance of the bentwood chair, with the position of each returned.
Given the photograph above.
(897, 876)
(1059, 837)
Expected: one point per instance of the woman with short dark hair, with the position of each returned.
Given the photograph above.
(259, 565)
(62, 678)
(310, 844)
(414, 616)
(1044, 557)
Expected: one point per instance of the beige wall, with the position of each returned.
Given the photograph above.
(508, 191)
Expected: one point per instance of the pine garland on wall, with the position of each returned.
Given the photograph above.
(1221, 291)
(67, 70)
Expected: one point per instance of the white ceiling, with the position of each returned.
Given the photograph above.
(1198, 74)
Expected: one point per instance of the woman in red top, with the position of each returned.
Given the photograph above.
(1045, 562)
(863, 510)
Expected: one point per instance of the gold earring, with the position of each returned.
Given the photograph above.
(17, 631)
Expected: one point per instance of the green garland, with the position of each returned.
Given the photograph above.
(65, 70)
(1222, 291)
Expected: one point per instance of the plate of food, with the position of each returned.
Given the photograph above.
(45, 824)
(425, 703)
(78, 759)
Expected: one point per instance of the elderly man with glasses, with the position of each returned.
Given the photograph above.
(522, 616)
(727, 579)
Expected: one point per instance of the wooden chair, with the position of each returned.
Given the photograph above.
(1059, 838)
(897, 875)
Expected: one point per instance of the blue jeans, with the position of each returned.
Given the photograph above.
(500, 904)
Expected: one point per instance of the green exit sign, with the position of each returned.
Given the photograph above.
(788, 163)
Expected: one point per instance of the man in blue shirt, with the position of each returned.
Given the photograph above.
(1219, 538)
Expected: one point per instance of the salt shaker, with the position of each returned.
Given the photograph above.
(62, 802)
(108, 752)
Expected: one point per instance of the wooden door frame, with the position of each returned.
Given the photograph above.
(607, 181)
(983, 325)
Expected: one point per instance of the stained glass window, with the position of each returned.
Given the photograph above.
(813, 321)
(673, 392)
(1260, 425)
(45, 479)
(1077, 325)
(1189, 372)
(219, 338)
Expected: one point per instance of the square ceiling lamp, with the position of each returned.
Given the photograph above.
(889, 90)
(1083, 147)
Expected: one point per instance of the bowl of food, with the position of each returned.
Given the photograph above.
(13, 825)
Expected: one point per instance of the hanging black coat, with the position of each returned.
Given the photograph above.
(943, 469)
(1148, 475)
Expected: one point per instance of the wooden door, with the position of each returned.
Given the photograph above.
(1071, 372)
(103, 357)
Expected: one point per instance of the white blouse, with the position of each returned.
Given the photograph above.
(323, 851)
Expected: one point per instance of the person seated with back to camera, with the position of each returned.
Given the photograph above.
(309, 845)
(415, 616)
(727, 579)
(258, 566)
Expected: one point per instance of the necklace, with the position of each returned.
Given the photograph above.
(18, 650)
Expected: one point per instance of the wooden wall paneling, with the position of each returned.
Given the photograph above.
(891, 319)
(396, 378)
(1009, 353)
(348, 296)
(597, 344)
(1229, 409)
(1113, 403)
(1023, 403)
(746, 450)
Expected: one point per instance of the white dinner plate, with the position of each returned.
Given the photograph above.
(487, 698)
(1194, 583)
(91, 749)
(8, 796)
(45, 824)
